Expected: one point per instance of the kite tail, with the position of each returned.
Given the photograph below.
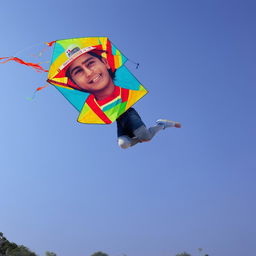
(38, 89)
(44, 49)
(35, 66)
(51, 43)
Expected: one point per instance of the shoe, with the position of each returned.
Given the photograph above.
(168, 123)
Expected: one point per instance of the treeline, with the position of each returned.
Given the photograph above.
(8, 248)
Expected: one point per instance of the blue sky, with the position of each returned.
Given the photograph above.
(67, 187)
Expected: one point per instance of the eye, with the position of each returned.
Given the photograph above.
(77, 71)
(90, 63)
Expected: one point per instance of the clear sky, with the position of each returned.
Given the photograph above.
(68, 188)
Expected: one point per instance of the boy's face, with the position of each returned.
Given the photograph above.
(90, 73)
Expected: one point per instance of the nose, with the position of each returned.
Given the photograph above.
(87, 71)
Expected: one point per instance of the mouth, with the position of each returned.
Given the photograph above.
(95, 79)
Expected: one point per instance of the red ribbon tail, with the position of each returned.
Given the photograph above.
(35, 66)
(51, 43)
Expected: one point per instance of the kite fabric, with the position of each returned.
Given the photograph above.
(127, 89)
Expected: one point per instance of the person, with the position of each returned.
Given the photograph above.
(91, 73)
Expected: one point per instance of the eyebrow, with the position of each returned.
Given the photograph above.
(77, 67)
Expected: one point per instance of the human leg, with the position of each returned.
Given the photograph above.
(132, 130)
(126, 141)
(126, 124)
(168, 123)
(144, 134)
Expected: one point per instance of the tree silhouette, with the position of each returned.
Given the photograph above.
(8, 248)
(183, 254)
(50, 254)
(99, 254)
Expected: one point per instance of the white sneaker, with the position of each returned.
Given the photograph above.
(168, 123)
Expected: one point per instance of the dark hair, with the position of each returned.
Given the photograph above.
(98, 56)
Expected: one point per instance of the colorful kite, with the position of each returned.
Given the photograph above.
(71, 56)
(98, 101)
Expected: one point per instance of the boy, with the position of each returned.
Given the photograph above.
(91, 73)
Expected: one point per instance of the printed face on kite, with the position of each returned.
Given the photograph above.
(92, 75)
(100, 88)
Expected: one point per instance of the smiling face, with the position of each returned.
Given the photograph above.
(91, 74)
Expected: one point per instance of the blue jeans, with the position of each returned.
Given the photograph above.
(131, 129)
(128, 122)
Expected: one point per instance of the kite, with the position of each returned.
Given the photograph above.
(90, 73)
(96, 105)
(125, 90)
